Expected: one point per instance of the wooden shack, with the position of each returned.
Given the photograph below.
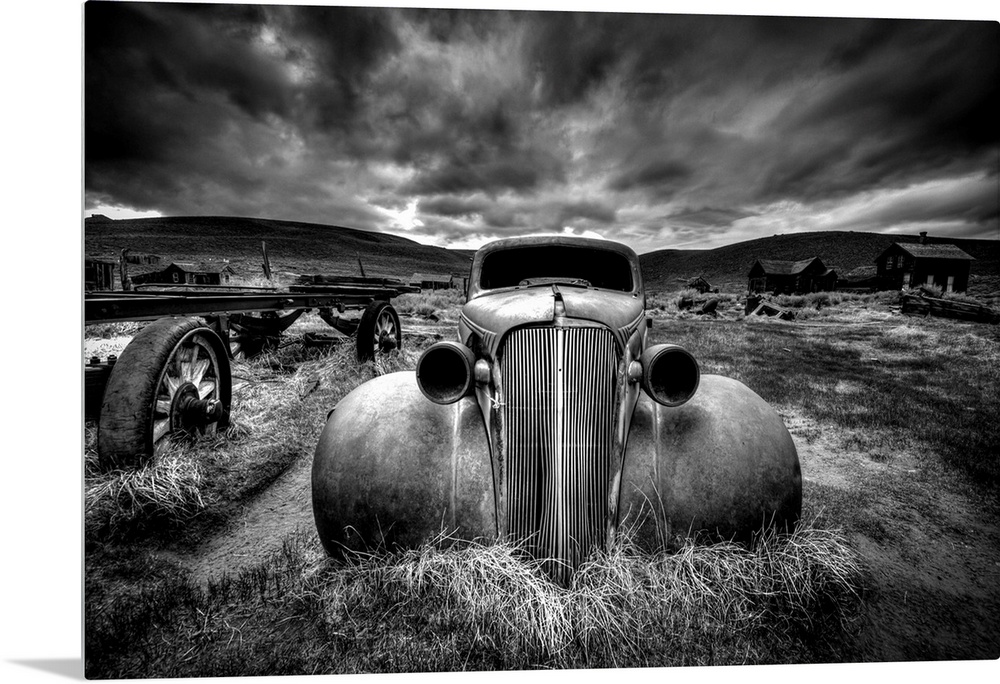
(460, 280)
(791, 277)
(700, 284)
(189, 273)
(141, 258)
(904, 265)
(431, 281)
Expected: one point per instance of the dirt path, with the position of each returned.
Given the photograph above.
(259, 528)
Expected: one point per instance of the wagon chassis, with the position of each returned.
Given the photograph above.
(174, 376)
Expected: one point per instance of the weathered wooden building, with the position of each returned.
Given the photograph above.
(98, 274)
(431, 281)
(700, 284)
(791, 277)
(189, 273)
(904, 265)
(860, 279)
(460, 280)
(142, 258)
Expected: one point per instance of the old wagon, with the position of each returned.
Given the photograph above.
(174, 375)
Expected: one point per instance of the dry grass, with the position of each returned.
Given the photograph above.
(430, 303)
(455, 606)
(701, 604)
(167, 491)
(452, 605)
(280, 402)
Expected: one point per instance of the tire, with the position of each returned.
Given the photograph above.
(378, 331)
(170, 360)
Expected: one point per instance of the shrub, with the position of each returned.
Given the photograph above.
(929, 290)
(432, 302)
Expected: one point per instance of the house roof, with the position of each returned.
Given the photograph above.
(862, 272)
(775, 267)
(430, 277)
(917, 250)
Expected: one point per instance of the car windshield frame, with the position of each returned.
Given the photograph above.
(563, 264)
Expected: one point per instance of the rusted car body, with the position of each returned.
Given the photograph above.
(551, 422)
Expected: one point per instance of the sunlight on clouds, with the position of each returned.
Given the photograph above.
(405, 219)
(569, 230)
(117, 212)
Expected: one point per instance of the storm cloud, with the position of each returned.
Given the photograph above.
(456, 126)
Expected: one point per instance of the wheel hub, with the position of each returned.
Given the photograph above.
(386, 341)
(189, 413)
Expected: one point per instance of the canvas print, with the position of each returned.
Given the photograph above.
(424, 340)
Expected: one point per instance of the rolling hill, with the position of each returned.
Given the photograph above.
(291, 246)
(315, 248)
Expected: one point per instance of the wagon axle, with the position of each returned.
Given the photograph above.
(190, 412)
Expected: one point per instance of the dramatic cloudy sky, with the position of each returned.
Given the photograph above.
(454, 127)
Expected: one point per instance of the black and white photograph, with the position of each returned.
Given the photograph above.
(507, 339)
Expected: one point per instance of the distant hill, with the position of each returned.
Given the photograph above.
(291, 246)
(316, 248)
(727, 267)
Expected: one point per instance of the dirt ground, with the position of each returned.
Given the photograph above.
(931, 548)
(934, 569)
(933, 554)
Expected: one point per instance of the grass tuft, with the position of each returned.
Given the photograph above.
(702, 604)
(165, 492)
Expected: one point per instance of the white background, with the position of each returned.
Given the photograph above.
(41, 355)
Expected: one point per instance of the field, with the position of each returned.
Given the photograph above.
(205, 562)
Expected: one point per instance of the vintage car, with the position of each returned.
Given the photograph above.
(552, 423)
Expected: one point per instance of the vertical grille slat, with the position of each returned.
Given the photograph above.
(558, 420)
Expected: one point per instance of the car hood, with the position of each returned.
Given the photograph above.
(491, 315)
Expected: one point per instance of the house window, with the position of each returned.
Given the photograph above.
(930, 279)
(890, 263)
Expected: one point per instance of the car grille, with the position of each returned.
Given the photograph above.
(558, 417)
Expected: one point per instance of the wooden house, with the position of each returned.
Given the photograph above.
(903, 265)
(141, 258)
(189, 273)
(860, 279)
(700, 284)
(431, 281)
(791, 277)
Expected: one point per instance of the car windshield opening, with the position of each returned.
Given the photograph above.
(581, 266)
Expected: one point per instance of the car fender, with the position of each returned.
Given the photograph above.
(394, 469)
(723, 463)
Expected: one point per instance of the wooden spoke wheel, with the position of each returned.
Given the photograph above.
(379, 331)
(173, 378)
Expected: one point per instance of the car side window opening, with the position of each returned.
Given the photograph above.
(557, 263)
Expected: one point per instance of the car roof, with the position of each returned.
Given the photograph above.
(565, 240)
